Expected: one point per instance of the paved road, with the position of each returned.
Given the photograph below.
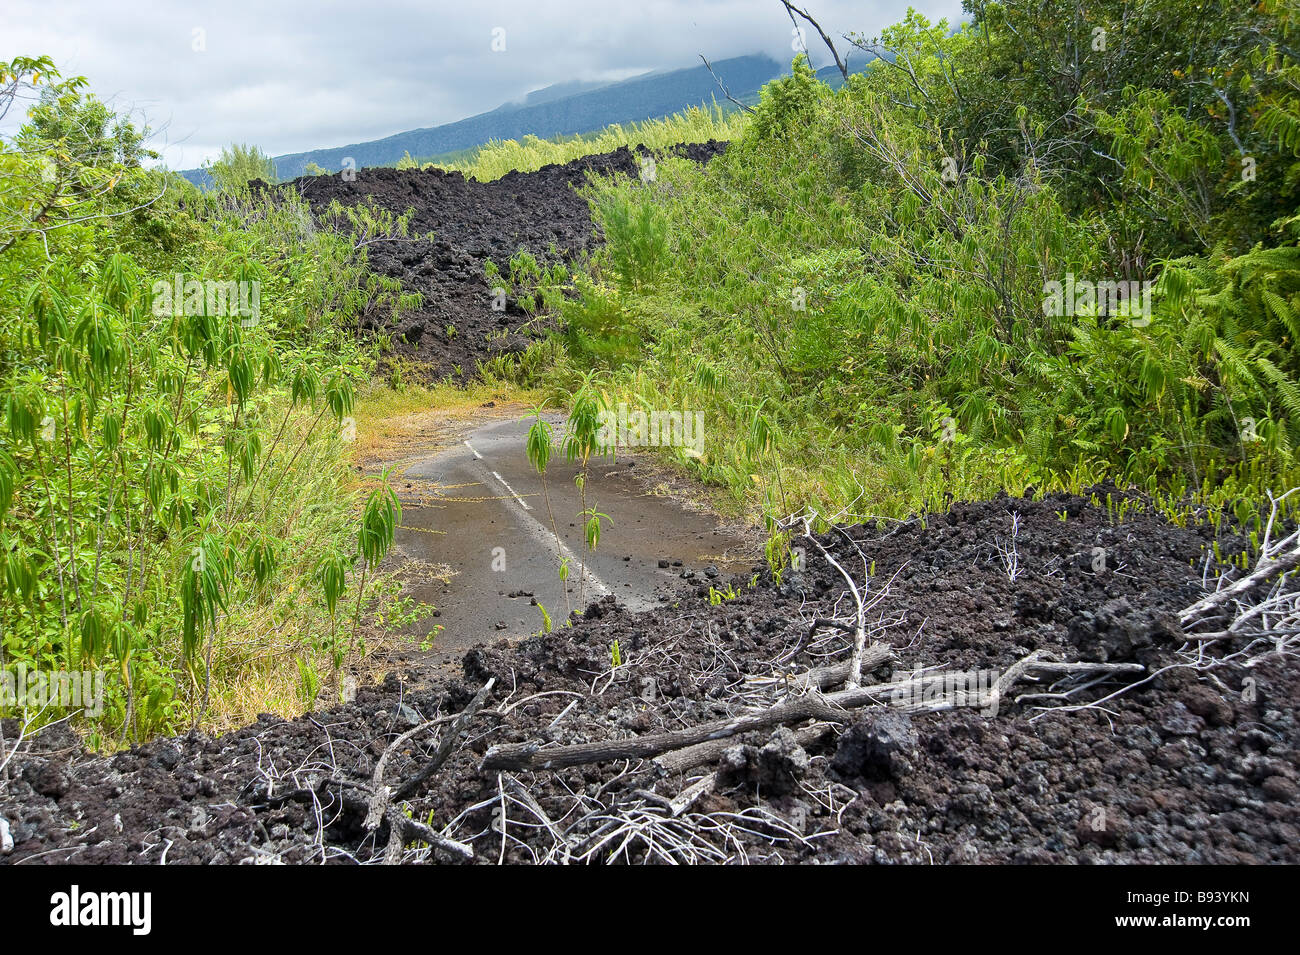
(484, 514)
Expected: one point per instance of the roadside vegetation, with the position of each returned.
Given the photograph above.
(178, 372)
(933, 282)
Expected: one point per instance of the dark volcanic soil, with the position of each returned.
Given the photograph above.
(474, 222)
(1189, 766)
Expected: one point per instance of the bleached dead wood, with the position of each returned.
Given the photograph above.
(692, 794)
(445, 745)
(854, 677)
(531, 755)
(823, 678)
(1266, 568)
(403, 829)
(1276, 560)
(924, 694)
(381, 805)
(703, 754)
(381, 796)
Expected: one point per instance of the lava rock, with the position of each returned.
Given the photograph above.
(877, 745)
(168, 757)
(1210, 706)
(1118, 630)
(1280, 788)
(774, 769)
(793, 584)
(46, 778)
(1106, 830)
(1177, 720)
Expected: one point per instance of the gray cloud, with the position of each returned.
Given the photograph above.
(294, 75)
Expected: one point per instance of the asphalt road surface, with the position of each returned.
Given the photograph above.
(482, 511)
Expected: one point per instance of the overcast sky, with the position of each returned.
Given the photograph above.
(290, 76)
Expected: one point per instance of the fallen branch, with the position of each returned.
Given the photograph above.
(1264, 569)
(531, 755)
(703, 754)
(854, 677)
(692, 794)
(823, 678)
(923, 694)
(448, 741)
(403, 829)
(381, 805)
(380, 795)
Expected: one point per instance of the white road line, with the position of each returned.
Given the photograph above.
(511, 490)
(598, 586)
(544, 537)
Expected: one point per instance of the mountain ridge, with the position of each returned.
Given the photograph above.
(544, 114)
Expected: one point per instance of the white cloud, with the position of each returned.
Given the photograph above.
(293, 75)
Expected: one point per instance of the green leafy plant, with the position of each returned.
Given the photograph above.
(581, 443)
(173, 366)
(538, 447)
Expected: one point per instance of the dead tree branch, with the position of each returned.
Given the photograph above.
(403, 829)
(382, 806)
(706, 754)
(917, 695)
(530, 755)
(854, 677)
(723, 86)
(448, 741)
(1282, 559)
(824, 678)
(791, 9)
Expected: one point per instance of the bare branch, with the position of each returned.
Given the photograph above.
(723, 86)
(791, 9)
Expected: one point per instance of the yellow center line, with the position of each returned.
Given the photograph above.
(474, 500)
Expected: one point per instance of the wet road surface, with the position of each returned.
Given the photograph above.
(480, 509)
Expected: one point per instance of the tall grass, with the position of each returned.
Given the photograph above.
(697, 124)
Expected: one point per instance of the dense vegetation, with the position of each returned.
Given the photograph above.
(177, 372)
(914, 287)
